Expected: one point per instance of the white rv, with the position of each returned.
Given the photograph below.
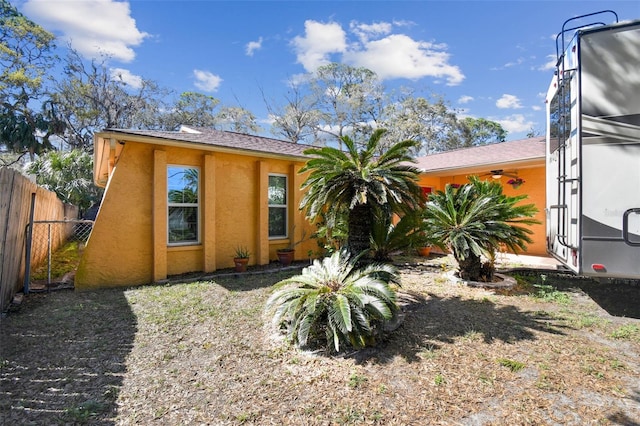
(593, 148)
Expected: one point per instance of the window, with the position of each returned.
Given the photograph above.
(560, 116)
(277, 206)
(183, 203)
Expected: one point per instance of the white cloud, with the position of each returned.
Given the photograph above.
(320, 40)
(508, 101)
(93, 27)
(518, 61)
(365, 31)
(550, 64)
(399, 56)
(515, 123)
(465, 99)
(125, 75)
(376, 48)
(206, 80)
(536, 108)
(252, 46)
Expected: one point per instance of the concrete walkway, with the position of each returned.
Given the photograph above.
(508, 260)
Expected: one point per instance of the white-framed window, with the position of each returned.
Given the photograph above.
(277, 206)
(183, 201)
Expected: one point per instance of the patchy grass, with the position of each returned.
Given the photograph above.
(512, 365)
(204, 353)
(627, 332)
(63, 261)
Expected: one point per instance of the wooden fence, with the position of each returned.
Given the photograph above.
(15, 207)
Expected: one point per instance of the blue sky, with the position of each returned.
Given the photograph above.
(489, 59)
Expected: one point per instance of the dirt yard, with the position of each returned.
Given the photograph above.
(553, 351)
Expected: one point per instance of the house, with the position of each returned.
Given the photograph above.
(183, 201)
(505, 161)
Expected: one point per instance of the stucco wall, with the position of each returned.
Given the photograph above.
(128, 244)
(534, 188)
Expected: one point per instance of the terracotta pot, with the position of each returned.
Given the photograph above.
(424, 251)
(241, 263)
(285, 257)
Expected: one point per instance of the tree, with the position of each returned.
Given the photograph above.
(25, 58)
(335, 303)
(69, 174)
(475, 132)
(475, 220)
(337, 100)
(237, 119)
(349, 99)
(298, 120)
(91, 98)
(359, 182)
(429, 122)
(191, 109)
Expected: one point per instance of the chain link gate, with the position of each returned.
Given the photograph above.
(53, 252)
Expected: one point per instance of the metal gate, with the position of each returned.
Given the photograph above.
(53, 251)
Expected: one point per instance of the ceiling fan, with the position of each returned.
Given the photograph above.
(497, 174)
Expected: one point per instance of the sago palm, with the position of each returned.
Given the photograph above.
(389, 238)
(475, 220)
(360, 181)
(333, 302)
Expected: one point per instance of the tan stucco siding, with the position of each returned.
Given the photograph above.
(119, 251)
(534, 188)
(128, 245)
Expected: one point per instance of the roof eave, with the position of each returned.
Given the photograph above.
(486, 167)
(159, 140)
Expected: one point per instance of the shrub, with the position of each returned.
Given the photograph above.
(475, 220)
(335, 303)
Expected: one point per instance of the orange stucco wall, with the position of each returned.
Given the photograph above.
(128, 244)
(534, 188)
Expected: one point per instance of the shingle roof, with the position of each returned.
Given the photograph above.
(224, 139)
(485, 155)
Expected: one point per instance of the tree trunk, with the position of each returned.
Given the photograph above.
(360, 221)
(470, 267)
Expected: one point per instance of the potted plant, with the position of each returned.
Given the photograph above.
(286, 254)
(241, 258)
(515, 182)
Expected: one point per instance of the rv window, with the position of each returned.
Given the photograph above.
(560, 116)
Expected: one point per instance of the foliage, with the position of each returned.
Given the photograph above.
(336, 100)
(431, 122)
(91, 97)
(476, 131)
(339, 100)
(388, 238)
(25, 58)
(191, 109)
(475, 220)
(237, 119)
(242, 252)
(332, 238)
(335, 303)
(360, 182)
(297, 120)
(69, 174)
(348, 100)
